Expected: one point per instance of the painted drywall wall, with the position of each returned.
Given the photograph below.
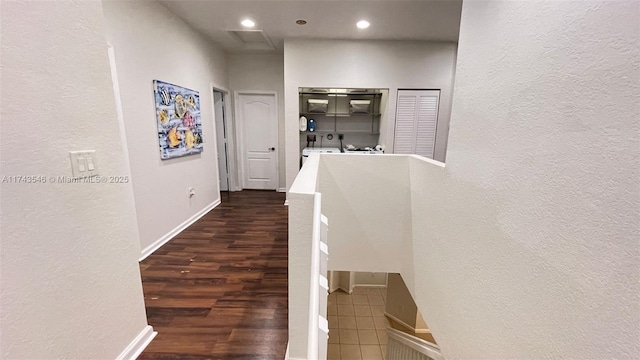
(421, 324)
(526, 244)
(71, 284)
(470, 279)
(380, 243)
(377, 228)
(262, 72)
(532, 239)
(152, 43)
(301, 198)
(367, 64)
(400, 304)
(370, 279)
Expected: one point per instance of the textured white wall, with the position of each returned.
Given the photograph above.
(366, 64)
(70, 279)
(152, 43)
(262, 72)
(361, 236)
(378, 228)
(526, 244)
(301, 203)
(400, 303)
(532, 239)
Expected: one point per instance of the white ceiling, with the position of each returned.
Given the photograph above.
(435, 20)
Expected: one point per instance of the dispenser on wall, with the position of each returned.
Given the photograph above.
(303, 123)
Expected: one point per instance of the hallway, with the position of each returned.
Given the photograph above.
(218, 290)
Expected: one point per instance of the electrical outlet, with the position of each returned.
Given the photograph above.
(340, 136)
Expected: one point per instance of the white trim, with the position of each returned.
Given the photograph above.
(217, 87)
(352, 281)
(409, 327)
(232, 163)
(138, 344)
(240, 135)
(333, 284)
(314, 292)
(370, 286)
(231, 143)
(215, 134)
(123, 134)
(282, 189)
(286, 202)
(178, 229)
(419, 345)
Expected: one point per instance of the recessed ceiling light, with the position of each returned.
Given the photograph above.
(301, 22)
(362, 24)
(248, 23)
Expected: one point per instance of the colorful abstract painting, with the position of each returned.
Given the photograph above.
(178, 117)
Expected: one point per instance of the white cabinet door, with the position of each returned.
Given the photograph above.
(416, 122)
(257, 115)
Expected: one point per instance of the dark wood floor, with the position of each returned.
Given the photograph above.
(218, 290)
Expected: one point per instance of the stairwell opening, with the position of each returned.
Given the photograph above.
(368, 313)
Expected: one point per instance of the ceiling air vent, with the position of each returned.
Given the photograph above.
(252, 39)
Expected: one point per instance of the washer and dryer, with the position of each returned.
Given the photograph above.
(309, 150)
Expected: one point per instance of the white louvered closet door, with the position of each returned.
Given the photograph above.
(416, 122)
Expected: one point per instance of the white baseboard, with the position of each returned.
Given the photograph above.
(282, 190)
(171, 234)
(286, 203)
(138, 344)
(370, 286)
(411, 328)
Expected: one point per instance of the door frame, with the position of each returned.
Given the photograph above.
(240, 133)
(231, 143)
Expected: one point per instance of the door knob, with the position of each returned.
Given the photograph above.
(272, 149)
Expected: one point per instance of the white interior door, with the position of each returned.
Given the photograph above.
(221, 140)
(259, 119)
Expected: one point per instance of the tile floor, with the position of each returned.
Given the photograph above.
(357, 325)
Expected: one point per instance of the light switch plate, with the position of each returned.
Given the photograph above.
(83, 163)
